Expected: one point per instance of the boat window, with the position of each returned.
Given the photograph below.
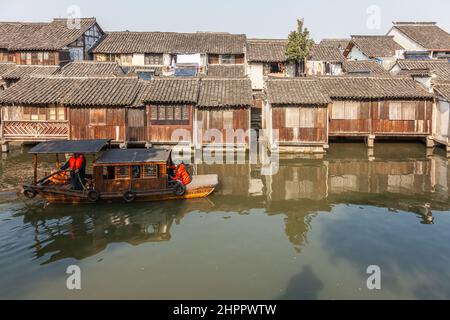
(150, 171)
(108, 173)
(136, 172)
(122, 172)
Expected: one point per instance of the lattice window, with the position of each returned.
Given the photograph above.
(150, 171)
(122, 172)
(171, 114)
(153, 59)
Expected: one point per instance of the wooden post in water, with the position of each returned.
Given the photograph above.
(34, 168)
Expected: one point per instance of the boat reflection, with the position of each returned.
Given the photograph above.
(299, 191)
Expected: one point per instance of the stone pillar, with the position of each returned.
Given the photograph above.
(370, 141)
(430, 142)
(5, 146)
(370, 154)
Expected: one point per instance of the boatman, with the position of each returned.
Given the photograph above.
(181, 174)
(77, 166)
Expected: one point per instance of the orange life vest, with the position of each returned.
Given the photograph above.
(76, 163)
(182, 175)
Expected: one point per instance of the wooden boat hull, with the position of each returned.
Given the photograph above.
(52, 195)
(200, 187)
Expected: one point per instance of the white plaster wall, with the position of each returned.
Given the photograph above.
(388, 62)
(356, 54)
(442, 120)
(404, 41)
(138, 59)
(336, 69)
(255, 71)
(425, 81)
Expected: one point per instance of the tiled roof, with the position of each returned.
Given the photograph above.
(90, 68)
(425, 68)
(443, 90)
(365, 67)
(326, 53)
(319, 90)
(6, 67)
(337, 43)
(426, 34)
(36, 91)
(372, 88)
(295, 91)
(266, 50)
(226, 71)
(225, 93)
(41, 36)
(169, 90)
(105, 91)
(375, 46)
(171, 42)
(16, 72)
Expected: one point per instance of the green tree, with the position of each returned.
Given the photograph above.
(299, 45)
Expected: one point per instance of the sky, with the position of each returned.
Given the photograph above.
(259, 19)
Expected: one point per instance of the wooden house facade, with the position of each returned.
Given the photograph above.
(267, 58)
(49, 43)
(382, 49)
(324, 60)
(423, 39)
(296, 116)
(378, 106)
(171, 52)
(441, 125)
(306, 112)
(166, 111)
(222, 114)
(46, 108)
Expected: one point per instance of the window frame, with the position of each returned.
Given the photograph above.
(153, 57)
(156, 117)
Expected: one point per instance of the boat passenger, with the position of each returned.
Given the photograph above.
(77, 166)
(181, 174)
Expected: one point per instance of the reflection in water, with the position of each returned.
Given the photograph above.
(399, 179)
(88, 229)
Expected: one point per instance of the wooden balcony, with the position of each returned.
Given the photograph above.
(35, 130)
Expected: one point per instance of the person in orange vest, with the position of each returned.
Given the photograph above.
(181, 174)
(77, 166)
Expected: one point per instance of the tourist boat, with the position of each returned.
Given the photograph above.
(117, 174)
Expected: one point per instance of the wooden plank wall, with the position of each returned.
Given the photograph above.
(163, 133)
(374, 117)
(317, 133)
(136, 125)
(97, 123)
(220, 119)
(421, 124)
(359, 125)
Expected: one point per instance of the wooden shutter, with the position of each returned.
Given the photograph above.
(292, 117)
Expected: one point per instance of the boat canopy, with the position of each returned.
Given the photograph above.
(70, 146)
(116, 156)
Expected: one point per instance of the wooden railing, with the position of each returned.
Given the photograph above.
(35, 130)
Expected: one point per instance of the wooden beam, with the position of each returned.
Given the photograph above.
(34, 168)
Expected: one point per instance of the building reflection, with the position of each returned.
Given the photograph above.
(299, 191)
(89, 230)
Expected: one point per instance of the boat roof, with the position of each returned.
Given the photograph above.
(115, 156)
(70, 146)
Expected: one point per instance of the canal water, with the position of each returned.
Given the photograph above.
(308, 232)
